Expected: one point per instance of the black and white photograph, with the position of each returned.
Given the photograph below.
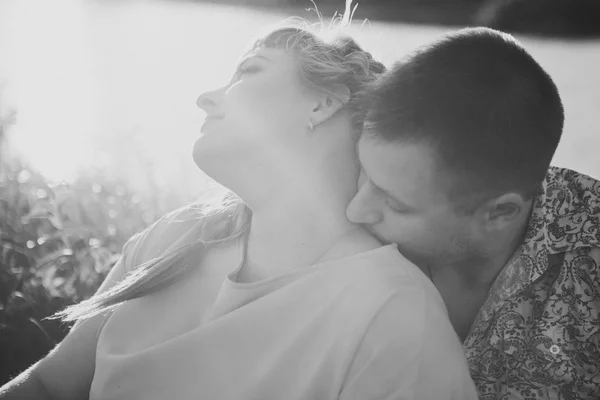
(300, 199)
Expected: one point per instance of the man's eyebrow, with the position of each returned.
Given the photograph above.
(384, 191)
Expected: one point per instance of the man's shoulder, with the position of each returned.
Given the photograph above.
(575, 185)
(551, 286)
(568, 210)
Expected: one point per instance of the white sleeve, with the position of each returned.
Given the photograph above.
(410, 352)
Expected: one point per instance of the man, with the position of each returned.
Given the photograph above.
(456, 153)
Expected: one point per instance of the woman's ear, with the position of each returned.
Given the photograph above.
(328, 103)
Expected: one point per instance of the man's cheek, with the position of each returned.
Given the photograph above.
(386, 234)
(402, 235)
(362, 178)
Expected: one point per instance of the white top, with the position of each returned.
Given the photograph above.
(370, 326)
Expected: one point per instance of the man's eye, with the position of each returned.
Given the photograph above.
(390, 203)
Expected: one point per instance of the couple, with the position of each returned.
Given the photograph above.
(384, 224)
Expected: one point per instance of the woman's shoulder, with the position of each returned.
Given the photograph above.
(385, 266)
(383, 279)
(404, 301)
(174, 229)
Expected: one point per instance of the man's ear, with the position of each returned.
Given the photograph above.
(328, 103)
(501, 211)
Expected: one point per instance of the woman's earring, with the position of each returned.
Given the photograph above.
(311, 126)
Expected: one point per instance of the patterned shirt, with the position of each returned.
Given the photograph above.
(537, 336)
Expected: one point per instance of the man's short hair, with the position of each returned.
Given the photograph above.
(492, 116)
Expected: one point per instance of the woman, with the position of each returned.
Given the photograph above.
(288, 300)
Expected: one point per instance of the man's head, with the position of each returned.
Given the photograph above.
(458, 138)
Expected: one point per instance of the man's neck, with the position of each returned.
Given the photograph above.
(465, 286)
(465, 290)
(492, 255)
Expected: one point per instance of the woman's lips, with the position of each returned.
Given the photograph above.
(207, 121)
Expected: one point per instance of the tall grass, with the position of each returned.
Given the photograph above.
(57, 243)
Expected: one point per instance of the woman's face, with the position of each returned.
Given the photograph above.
(256, 120)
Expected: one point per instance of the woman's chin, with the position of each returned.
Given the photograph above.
(213, 160)
(204, 155)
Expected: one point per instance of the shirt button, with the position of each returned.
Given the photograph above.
(554, 349)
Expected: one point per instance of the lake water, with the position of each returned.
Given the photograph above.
(114, 83)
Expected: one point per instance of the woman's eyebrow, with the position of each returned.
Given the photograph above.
(255, 56)
(263, 57)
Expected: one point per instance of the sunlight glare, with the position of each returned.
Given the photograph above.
(48, 72)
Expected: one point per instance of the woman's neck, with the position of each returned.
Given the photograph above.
(291, 230)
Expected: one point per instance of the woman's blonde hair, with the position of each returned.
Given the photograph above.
(324, 65)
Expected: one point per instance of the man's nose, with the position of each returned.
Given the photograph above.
(363, 209)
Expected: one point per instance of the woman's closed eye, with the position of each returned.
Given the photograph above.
(246, 68)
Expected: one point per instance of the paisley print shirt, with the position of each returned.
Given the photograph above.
(538, 334)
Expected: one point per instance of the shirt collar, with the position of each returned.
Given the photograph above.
(565, 216)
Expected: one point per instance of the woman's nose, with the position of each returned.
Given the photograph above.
(209, 101)
(364, 208)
